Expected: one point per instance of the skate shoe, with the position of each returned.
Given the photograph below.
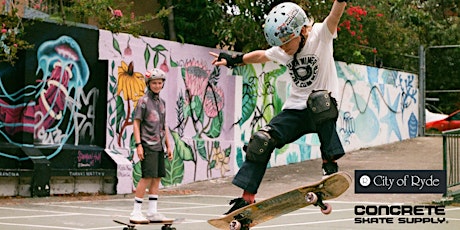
(157, 217)
(329, 168)
(138, 218)
(237, 204)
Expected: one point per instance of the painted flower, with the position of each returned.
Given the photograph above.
(221, 160)
(196, 77)
(213, 101)
(164, 66)
(128, 51)
(131, 83)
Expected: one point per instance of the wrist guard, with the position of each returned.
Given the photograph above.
(232, 60)
(342, 0)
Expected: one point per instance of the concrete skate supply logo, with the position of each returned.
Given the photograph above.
(400, 214)
(400, 181)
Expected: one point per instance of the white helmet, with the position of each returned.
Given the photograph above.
(284, 20)
(154, 74)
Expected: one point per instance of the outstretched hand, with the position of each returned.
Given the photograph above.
(216, 60)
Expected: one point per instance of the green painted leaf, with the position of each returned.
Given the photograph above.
(172, 63)
(174, 171)
(137, 173)
(201, 147)
(239, 157)
(228, 151)
(116, 45)
(146, 56)
(250, 88)
(197, 108)
(182, 149)
(159, 48)
(216, 126)
(212, 164)
(156, 59)
(121, 113)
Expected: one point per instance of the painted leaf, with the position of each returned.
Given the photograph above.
(239, 157)
(216, 126)
(250, 83)
(201, 147)
(172, 63)
(146, 56)
(137, 173)
(156, 59)
(174, 170)
(116, 45)
(212, 164)
(197, 108)
(228, 151)
(121, 114)
(181, 149)
(159, 48)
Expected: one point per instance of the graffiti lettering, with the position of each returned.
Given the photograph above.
(84, 123)
(9, 174)
(53, 137)
(86, 173)
(89, 159)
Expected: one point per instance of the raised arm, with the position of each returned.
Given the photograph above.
(333, 19)
(257, 56)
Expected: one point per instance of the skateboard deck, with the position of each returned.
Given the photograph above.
(166, 224)
(259, 212)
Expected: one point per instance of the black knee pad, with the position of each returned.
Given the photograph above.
(260, 147)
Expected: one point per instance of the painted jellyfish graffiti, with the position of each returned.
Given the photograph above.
(56, 96)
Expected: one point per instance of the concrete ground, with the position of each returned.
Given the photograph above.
(200, 201)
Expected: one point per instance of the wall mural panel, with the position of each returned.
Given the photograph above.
(199, 104)
(211, 112)
(48, 99)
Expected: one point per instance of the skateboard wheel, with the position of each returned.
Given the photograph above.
(235, 225)
(327, 209)
(311, 198)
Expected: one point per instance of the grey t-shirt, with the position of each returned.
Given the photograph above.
(151, 111)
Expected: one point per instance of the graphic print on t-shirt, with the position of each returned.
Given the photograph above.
(305, 71)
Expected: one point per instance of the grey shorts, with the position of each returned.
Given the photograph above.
(153, 165)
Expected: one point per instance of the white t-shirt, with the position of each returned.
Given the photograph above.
(316, 69)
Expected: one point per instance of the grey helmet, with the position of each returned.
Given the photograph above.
(154, 74)
(283, 21)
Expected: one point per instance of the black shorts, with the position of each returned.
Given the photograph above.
(153, 165)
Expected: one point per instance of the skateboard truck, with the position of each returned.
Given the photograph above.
(240, 222)
(317, 200)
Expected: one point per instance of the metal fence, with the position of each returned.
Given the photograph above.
(451, 153)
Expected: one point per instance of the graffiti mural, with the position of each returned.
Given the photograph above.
(199, 104)
(382, 99)
(377, 106)
(212, 112)
(50, 110)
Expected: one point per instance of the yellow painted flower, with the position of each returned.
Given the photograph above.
(131, 83)
(222, 161)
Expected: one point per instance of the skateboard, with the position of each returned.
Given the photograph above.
(166, 224)
(259, 212)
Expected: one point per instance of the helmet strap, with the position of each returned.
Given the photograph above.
(301, 45)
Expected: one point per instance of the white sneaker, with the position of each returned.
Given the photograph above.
(138, 218)
(157, 217)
